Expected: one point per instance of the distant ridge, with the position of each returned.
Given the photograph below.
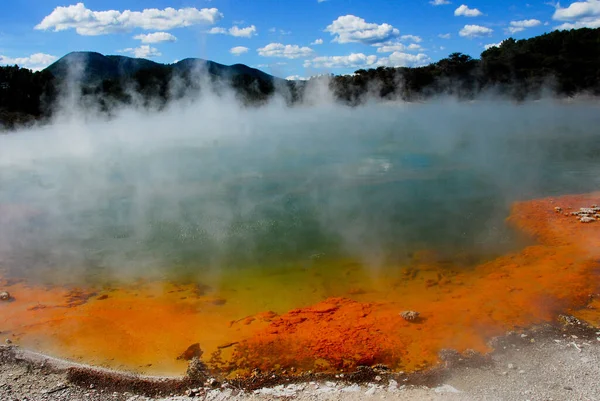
(98, 67)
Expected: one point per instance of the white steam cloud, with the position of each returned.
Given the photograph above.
(209, 184)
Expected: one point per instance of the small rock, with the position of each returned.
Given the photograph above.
(587, 219)
(4, 296)
(378, 378)
(521, 371)
(7, 341)
(568, 388)
(558, 209)
(511, 366)
(410, 315)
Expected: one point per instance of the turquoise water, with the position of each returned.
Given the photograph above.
(374, 185)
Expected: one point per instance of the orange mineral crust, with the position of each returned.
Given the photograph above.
(331, 316)
(460, 312)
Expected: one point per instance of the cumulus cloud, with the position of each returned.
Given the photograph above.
(90, 23)
(518, 26)
(236, 31)
(297, 77)
(144, 51)
(352, 29)
(411, 38)
(317, 42)
(465, 11)
(580, 14)
(238, 50)
(444, 35)
(247, 32)
(400, 59)
(156, 37)
(354, 60)
(397, 47)
(360, 60)
(217, 30)
(475, 31)
(36, 62)
(439, 2)
(490, 45)
(285, 51)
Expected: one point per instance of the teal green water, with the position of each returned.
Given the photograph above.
(373, 187)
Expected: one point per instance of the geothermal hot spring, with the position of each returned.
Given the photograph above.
(279, 238)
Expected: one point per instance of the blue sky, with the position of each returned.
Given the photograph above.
(286, 37)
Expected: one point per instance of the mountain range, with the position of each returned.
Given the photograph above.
(98, 67)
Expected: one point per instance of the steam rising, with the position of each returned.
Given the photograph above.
(209, 184)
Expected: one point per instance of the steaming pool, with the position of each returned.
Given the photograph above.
(279, 239)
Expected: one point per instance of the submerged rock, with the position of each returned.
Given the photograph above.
(193, 351)
(410, 315)
(4, 296)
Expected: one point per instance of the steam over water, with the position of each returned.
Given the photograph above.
(211, 188)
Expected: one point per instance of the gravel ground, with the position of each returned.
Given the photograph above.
(545, 365)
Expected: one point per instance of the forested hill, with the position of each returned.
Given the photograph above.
(560, 62)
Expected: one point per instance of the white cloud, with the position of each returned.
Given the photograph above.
(89, 23)
(156, 37)
(317, 42)
(579, 14)
(474, 31)
(236, 31)
(352, 29)
(399, 59)
(285, 51)
(321, 1)
(439, 2)
(518, 26)
(465, 11)
(36, 62)
(247, 32)
(144, 51)
(444, 35)
(297, 77)
(238, 50)
(490, 45)
(354, 60)
(390, 47)
(217, 30)
(411, 38)
(360, 60)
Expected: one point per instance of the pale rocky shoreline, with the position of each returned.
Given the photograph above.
(547, 363)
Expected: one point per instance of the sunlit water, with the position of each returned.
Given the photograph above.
(284, 209)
